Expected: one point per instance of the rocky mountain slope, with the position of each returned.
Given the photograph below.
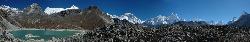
(242, 21)
(33, 17)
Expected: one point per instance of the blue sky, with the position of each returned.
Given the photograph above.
(211, 10)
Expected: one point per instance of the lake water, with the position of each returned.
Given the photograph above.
(42, 34)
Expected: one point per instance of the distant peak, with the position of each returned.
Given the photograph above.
(73, 7)
(4, 7)
(49, 10)
(34, 5)
(8, 8)
(128, 16)
(174, 14)
(160, 19)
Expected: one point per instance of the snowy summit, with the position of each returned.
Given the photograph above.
(72, 7)
(128, 16)
(10, 9)
(49, 10)
(163, 19)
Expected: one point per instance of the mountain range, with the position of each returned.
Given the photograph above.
(34, 17)
(89, 18)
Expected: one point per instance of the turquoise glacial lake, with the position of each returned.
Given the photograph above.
(42, 34)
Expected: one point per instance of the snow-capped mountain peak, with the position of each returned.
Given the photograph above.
(10, 9)
(4, 7)
(131, 18)
(127, 16)
(34, 5)
(73, 7)
(174, 16)
(163, 19)
(49, 10)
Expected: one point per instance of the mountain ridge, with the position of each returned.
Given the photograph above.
(89, 18)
